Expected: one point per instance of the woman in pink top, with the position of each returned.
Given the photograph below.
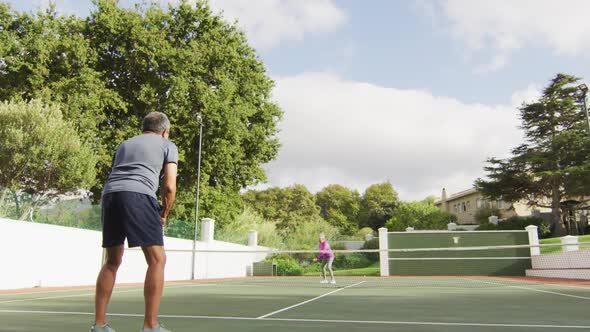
(326, 258)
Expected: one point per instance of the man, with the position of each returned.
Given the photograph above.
(130, 210)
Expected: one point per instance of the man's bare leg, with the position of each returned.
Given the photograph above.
(105, 283)
(155, 257)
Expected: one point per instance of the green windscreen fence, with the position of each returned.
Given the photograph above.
(451, 254)
(264, 269)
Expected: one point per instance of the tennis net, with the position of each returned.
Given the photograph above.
(444, 266)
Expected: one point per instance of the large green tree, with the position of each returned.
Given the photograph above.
(421, 215)
(112, 68)
(289, 206)
(340, 207)
(41, 154)
(377, 205)
(553, 164)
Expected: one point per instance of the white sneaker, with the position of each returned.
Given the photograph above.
(105, 328)
(158, 328)
(333, 282)
(324, 281)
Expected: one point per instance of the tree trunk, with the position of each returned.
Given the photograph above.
(3, 203)
(559, 229)
(17, 203)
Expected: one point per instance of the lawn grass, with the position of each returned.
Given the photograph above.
(370, 271)
(550, 250)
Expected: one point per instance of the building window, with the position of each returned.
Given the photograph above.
(483, 204)
(463, 207)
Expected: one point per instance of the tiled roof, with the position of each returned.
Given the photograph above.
(458, 195)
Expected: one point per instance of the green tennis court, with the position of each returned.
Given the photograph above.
(302, 304)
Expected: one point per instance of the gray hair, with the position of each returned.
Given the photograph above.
(155, 122)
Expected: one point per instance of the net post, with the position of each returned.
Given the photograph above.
(383, 252)
(533, 239)
(572, 243)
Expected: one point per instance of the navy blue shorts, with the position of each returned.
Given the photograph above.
(133, 216)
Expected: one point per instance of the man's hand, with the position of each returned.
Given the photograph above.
(163, 219)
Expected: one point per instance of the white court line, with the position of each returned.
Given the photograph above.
(308, 301)
(530, 289)
(302, 320)
(88, 294)
(47, 292)
(80, 289)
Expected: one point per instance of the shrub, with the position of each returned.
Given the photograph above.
(338, 246)
(363, 232)
(305, 234)
(286, 265)
(236, 231)
(372, 244)
(519, 223)
(481, 215)
(487, 226)
(351, 261)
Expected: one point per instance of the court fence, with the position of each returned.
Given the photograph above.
(43, 255)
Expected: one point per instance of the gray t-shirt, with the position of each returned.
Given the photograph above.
(138, 162)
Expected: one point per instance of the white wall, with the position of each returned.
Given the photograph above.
(567, 265)
(51, 256)
(351, 245)
(564, 260)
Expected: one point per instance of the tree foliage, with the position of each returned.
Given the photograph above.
(340, 207)
(287, 206)
(42, 155)
(482, 215)
(115, 66)
(237, 230)
(553, 164)
(377, 205)
(422, 215)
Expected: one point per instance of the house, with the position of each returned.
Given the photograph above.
(466, 203)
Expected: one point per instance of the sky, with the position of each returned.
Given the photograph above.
(419, 93)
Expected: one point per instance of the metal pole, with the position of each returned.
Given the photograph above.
(586, 111)
(584, 89)
(197, 199)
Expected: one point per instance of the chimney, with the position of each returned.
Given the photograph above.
(443, 199)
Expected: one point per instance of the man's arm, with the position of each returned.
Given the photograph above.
(168, 190)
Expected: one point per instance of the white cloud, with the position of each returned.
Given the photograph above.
(270, 22)
(498, 62)
(356, 134)
(507, 26)
(527, 95)
(61, 6)
(266, 22)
